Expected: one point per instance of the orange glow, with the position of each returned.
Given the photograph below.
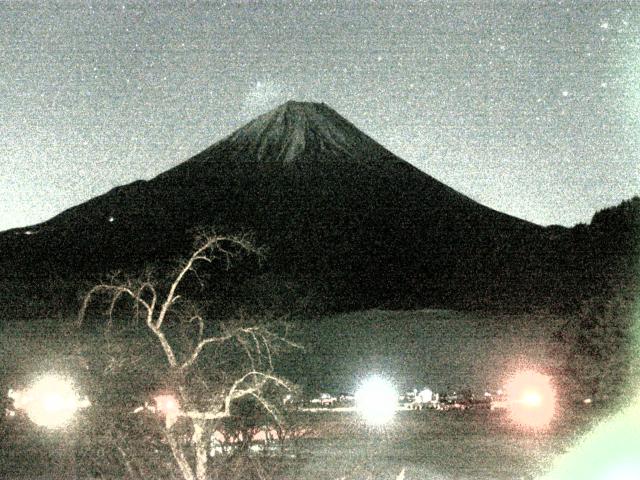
(531, 399)
(167, 405)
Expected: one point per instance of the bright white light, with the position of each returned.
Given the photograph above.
(50, 402)
(167, 404)
(533, 399)
(376, 401)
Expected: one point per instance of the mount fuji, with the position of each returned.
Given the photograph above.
(339, 214)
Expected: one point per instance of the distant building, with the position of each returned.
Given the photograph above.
(325, 399)
(425, 399)
(424, 396)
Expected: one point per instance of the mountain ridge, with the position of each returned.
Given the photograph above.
(338, 212)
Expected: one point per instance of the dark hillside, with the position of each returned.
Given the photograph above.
(340, 215)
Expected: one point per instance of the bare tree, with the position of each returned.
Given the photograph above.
(161, 307)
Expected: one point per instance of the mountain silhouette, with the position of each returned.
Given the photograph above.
(339, 214)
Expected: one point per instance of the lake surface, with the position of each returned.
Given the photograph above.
(478, 445)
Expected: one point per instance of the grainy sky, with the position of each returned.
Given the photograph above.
(531, 108)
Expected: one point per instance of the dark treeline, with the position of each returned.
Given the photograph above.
(600, 334)
(555, 269)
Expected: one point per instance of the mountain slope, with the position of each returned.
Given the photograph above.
(339, 213)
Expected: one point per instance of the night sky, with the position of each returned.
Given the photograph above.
(531, 108)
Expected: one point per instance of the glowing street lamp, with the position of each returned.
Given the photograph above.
(168, 406)
(51, 401)
(531, 399)
(376, 401)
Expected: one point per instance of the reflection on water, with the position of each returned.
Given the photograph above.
(474, 445)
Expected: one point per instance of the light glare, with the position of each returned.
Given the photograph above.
(50, 402)
(624, 471)
(531, 399)
(376, 401)
(167, 404)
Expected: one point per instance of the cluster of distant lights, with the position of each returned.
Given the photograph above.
(53, 400)
(531, 400)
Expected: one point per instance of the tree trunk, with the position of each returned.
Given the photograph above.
(202, 454)
(178, 454)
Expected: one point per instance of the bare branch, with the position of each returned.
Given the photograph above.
(148, 286)
(116, 291)
(158, 305)
(271, 409)
(180, 457)
(196, 351)
(209, 244)
(244, 344)
(252, 334)
(164, 343)
(200, 320)
(269, 358)
(235, 393)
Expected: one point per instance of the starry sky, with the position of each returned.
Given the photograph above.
(531, 108)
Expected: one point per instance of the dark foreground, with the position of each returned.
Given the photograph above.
(460, 445)
(435, 445)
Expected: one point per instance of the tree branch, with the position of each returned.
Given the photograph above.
(196, 351)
